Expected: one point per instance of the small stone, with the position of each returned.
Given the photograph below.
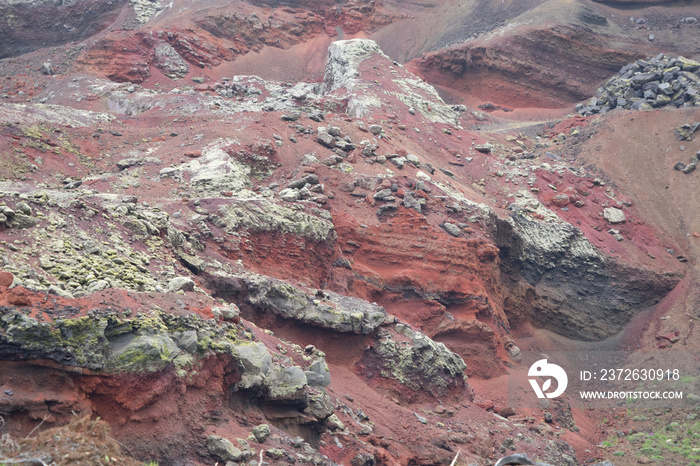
(334, 423)
(561, 200)
(325, 139)
(223, 449)
(47, 69)
(420, 418)
(261, 432)
(614, 215)
(375, 129)
(24, 208)
(231, 313)
(452, 229)
(413, 160)
(181, 284)
(198, 79)
(290, 195)
(399, 162)
(275, 453)
(484, 148)
(127, 163)
(293, 116)
(97, 285)
(6, 279)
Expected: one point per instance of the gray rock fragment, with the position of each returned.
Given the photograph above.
(614, 215)
(180, 284)
(223, 449)
(452, 229)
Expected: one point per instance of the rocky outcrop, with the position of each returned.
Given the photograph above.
(128, 55)
(647, 84)
(110, 343)
(400, 354)
(317, 308)
(280, 28)
(567, 285)
(356, 16)
(345, 57)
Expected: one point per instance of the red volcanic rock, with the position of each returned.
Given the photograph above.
(673, 337)
(485, 404)
(355, 17)
(255, 30)
(122, 57)
(505, 411)
(127, 56)
(6, 279)
(193, 154)
(18, 297)
(561, 200)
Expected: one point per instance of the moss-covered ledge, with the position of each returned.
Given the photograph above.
(106, 342)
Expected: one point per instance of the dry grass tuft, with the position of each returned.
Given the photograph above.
(82, 442)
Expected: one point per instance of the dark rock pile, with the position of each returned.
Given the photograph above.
(647, 84)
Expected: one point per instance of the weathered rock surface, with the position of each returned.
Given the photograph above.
(414, 360)
(322, 309)
(575, 286)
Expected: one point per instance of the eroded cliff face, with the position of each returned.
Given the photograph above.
(30, 25)
(511, 69)
(322, 272)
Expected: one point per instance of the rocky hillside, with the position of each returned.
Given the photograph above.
(245, 232)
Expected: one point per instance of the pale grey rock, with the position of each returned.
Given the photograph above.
(336, 312)
(223, 449)
(255, 362)
(170, 62)
(398, 162)
(416, 361)
(180, 284)
(47, 68)
(133, 352)
(319, 372)
(614, 215)
(452, 229)
(285, 382)
(413, 160)
(344, 58)
(411, 202)
(266, 215)
(97, 285)
(261, 432)
(320, 405)
(289, 195)
(325, 139)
